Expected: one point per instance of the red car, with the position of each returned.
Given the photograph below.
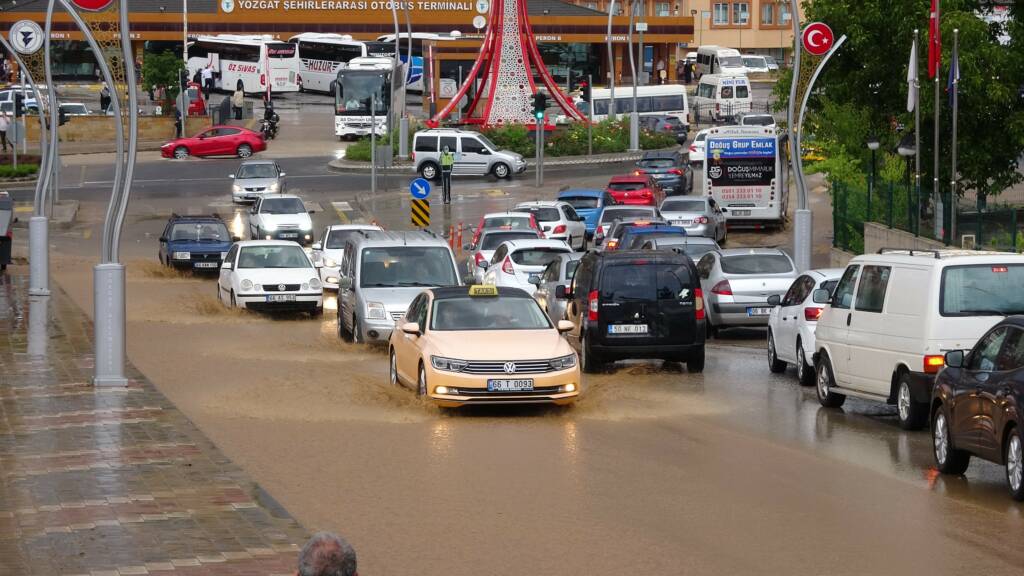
(638, 189)
(216, 141)
(196, 104)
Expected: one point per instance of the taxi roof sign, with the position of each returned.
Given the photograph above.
(483, 290)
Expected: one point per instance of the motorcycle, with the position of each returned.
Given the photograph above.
(269, 127)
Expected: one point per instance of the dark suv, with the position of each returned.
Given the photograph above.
(196, 243)
(636, 304)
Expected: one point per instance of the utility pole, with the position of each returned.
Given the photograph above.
(611, 64)
(634, 117)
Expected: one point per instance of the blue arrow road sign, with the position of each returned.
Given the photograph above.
(419, 188)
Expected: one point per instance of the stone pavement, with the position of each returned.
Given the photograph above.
(113, 481)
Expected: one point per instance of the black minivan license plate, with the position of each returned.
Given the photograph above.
(509, 385)
(627, 328)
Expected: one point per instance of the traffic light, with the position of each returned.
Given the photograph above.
(540, 104)
(19, 105)
(183, 79)
(585, 92)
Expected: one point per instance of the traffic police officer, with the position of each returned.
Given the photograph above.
(447, 162)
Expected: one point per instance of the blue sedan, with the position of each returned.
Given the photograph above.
(589, 203)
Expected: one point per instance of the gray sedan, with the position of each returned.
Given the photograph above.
(558, 273)
(738, 282)
(701, 216)
(256, 178)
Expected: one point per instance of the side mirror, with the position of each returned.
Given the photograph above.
(955, 359)
(162, 238)
(725, 209)
(821, 296)
(565, 326)
(484, 264)
(581, 218)
(226, 266)
(317, 246)
(535, 280)
(411, 328)
(282, 174)
(774, 300)
(236, 238)
(232, 176)
(467, 246)
(344, 283)
(310, 211)
(562, 292)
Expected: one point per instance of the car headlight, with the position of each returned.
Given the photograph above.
(314, 284)
(375, 311)
(448, 364)
(236, 188)
(330, 263)
(246, 285)
(563, 362)
(270, 226)
(274, 187)
(182, 255)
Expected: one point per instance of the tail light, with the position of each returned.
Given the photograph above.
(479, 259)
(667, 128)
(676, 171)
(298, 78)
(718, 107)
(560, 229)
(722, 288)
(934, 363)
(506, 266)
(412, 156)
(698, 303)
(693, 148)
(592, 305)
(263, 79)
(812, 313)
(599, 231)
(612, 243)
(647, 193)
(638, 172)
(700, 220)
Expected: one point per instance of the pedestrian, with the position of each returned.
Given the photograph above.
(687, 73)
(4, 125)
(327, 554)
(177, 122)
(152, 93)
(104, 97)
(207, 81)
(238, 100)
(447, 163)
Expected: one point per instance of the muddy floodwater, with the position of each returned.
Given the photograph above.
(654, 471)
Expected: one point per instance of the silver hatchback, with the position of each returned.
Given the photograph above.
(255, 178)
(738, 282)
(700, 215)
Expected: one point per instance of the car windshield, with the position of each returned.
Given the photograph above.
(626, 214)
(983, 289)
(336, 238)
(754, 62)
(536, 256)
(488, 313)
(507, 222)
(543, 214)
(769, 59)
(492, 241)
(487, 142)
(829, 285)
(756, 264)
(277, 256)
(579, 202)
(758, 120)
(282, 206)
(394, 266)
(626, 186)
(200, 232)
(257, 171)
(684, 206)
(730, 61)
(657, 163)
(701, 137)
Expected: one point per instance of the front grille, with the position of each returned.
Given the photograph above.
(200, 257)
(277, 287)
(498, 367)
(397, 315)
(483, 392)
(257, 189)
(287, 226)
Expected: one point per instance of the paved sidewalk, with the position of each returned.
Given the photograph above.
(113, 481)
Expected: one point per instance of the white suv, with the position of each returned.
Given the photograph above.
(894, 315)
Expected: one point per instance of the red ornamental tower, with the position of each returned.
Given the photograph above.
(505, 67)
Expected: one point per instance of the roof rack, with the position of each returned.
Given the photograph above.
(911, 252)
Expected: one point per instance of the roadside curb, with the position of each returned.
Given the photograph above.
(18, 180)
(349, 166)
(64, 214)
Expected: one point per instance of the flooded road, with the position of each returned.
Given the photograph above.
(654, 471)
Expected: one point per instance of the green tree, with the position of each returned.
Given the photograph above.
(162, 70)
(867, 80)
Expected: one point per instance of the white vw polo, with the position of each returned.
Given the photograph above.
(270, 275)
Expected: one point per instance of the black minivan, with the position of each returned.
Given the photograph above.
(636, 304)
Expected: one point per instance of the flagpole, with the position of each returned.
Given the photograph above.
(953, 200)
(917, 145)
(938, 226)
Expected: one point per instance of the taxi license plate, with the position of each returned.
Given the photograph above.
(205, 264)
(740, 212)
(522, 385)
(759, 311)
(289, 235)
(627, 329)
(280, 297)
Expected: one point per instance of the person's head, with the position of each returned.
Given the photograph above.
(446, 149)
(326, 554)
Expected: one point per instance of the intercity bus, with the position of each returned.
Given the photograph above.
(414, 80)
(321, 56)
(362, 81)
(258, 61)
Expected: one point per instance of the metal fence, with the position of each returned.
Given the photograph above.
(706, 115)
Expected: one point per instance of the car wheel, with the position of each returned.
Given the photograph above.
(1014, 458)
(695, 363)
(826, 382)
(501, 171)
(429, 170)
(244, 151)
(421, 382)
(357, 333)
(583, 243)
(804, 371)
(343, 332)
(180, 153)
(711, 329)
(774, 364)
(392, 368)
(911, 414)
(589, 362)
(948, 460)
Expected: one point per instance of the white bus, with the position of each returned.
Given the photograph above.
(255, 60)
(665, 99)
(744, 172)
(719, 60)
(414, 79)
(365, 78)
(321, 56)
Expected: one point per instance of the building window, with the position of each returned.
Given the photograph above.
(784, 16)
(721, 15)
(767, 14)
(741, 13)
(662, 9)
(592, 5)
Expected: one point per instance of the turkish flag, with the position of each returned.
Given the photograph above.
(934, 42)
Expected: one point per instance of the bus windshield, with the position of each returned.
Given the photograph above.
(355, 87)
(731, 61)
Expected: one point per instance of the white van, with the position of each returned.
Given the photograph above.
(721, 97)
(718, 60)
(893, 316)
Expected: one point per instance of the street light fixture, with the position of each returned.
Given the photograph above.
(873, 145)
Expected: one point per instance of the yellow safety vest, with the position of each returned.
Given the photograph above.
(447, 159)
